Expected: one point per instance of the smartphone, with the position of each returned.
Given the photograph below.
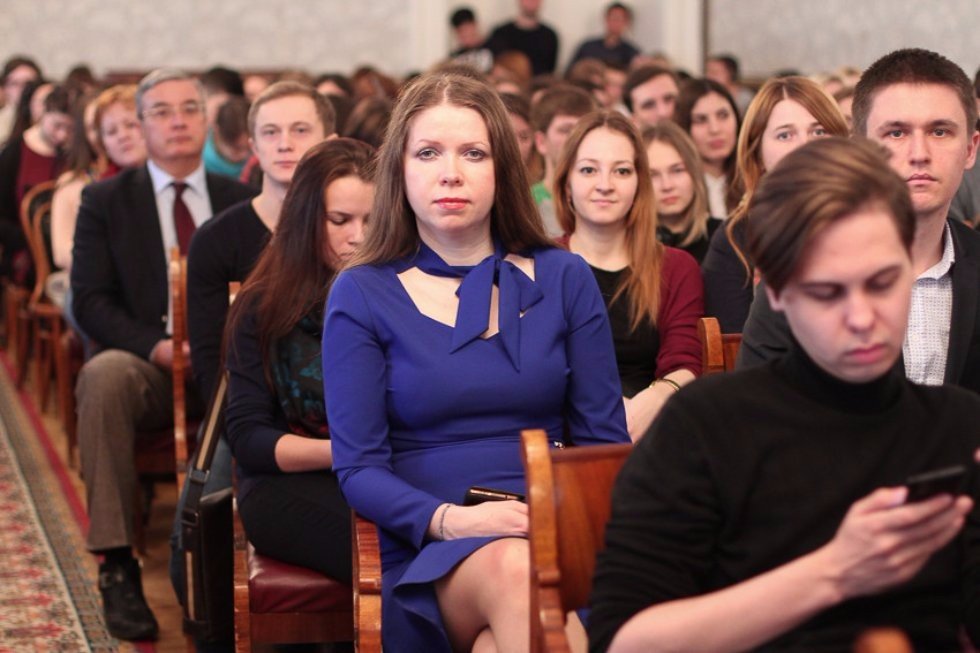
(948, 480)
(476, 495)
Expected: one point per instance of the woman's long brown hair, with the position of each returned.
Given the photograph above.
(642, 283)
(291, 277)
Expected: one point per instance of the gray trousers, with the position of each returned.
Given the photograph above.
(119, 395)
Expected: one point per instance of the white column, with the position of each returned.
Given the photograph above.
(429, 33)
(681, 27)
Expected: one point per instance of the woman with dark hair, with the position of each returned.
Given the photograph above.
(786, 113)
(456, 326)
(679, 188)
(18, 71)
(605, 205)
(774, 508)
(288, 497)
(32, 157)
(706, 111)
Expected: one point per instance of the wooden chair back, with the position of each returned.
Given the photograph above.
(178, 302)
(568, 495)
(719, 351)
(39, 242)
(38, 194)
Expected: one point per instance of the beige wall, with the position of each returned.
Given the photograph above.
(820, 36)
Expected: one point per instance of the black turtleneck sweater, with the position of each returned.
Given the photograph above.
(746, 471)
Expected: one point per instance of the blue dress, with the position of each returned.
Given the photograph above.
(415, 422)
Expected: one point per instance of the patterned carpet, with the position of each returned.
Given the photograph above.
(48, 595)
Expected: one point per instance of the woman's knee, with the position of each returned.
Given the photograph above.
(508, 565)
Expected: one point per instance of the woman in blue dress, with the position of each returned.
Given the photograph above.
(456, 326)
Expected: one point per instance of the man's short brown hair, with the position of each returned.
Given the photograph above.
(328, 118)
(812, 187)
(911, 66)
(560, 100)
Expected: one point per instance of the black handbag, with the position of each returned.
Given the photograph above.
(207, 534)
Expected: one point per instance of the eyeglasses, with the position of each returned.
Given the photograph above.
(166, 112)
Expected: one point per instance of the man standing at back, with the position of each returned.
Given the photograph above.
(126, 227)
(920, 106)
(529, 35)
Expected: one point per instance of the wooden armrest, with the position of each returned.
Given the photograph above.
(882, 640)
(367, 586)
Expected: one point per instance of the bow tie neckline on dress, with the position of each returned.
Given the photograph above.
(517, 293)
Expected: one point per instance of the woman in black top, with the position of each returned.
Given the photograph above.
(767, 509)
(678, 183)
(290, 503)
(786, 113)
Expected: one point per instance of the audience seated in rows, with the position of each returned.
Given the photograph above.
(642, 283)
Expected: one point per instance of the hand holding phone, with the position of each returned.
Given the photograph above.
(948, 480)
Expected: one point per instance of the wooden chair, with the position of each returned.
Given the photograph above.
(178, 301)
(367, 586)
(16, 298)
(280, 603)
(718, 350)
(568, 495)
(46, 318)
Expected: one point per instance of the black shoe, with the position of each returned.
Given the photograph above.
(127, 616)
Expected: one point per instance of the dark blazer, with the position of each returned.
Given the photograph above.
(767, 334)
(119, 271)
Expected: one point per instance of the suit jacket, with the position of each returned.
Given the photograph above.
(119, 270)
(767, 334)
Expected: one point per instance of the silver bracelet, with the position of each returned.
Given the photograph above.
(442, 522)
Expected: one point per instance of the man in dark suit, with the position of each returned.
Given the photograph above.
(126, 226)
(920, 106)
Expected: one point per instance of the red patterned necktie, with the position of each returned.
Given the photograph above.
(183, 222)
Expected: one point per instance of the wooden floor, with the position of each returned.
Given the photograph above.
(156, 579)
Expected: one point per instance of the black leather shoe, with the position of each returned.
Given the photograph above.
(127, 616)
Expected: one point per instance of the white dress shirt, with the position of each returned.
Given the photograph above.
(195, 197)
(930, 314)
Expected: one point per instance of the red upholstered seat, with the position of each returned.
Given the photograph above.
(275, 586)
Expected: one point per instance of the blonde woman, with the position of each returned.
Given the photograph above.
(678, 184)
